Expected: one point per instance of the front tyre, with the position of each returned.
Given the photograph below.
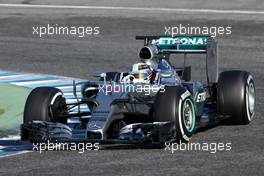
(38, 105)
(43, 104)
(176, 106)
(236, 97)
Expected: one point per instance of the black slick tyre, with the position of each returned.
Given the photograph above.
(175, 105)
(236, 97)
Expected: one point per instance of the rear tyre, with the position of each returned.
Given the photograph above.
(236, 97)
(176, 105)
(38, 107)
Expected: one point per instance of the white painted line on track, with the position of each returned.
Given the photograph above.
(13, 137)
(217, 11)
(36, 82)
(13, 76)
(14, 153)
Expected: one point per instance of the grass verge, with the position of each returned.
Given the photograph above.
(12, 101)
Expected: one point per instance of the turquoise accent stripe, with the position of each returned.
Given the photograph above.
(8, 74)
(70, 90)
(71, 97)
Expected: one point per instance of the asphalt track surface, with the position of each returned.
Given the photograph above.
(116, 49)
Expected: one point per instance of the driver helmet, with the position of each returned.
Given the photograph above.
(142, 73)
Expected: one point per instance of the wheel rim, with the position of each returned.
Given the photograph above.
(188, 115)
(59, 104)
(250, 98)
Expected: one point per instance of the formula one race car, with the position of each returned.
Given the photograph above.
(155, 102)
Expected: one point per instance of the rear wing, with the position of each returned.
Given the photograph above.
(187, 44)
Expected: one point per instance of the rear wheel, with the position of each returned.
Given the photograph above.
(175, 105)
(236, 97)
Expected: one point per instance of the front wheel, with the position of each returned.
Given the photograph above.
(176, 106)
(43, 104)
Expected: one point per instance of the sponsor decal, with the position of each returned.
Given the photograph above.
(201, 97)
(180, 40)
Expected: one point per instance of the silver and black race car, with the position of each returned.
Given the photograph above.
(155, 102)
